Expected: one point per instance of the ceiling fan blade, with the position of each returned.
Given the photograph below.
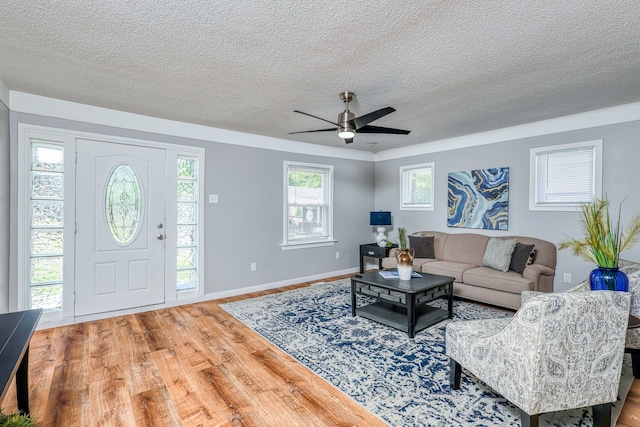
(378, 129)
(317, 130)
(362, 121)
(348, 140)
(315, 117)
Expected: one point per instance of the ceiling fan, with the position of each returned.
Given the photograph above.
(348, 124)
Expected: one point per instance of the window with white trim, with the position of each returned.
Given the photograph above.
(308, 204)
(187, 224)
(46, 224)
(416, 187)
(562, 177)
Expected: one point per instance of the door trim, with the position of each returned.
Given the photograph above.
(20, 254)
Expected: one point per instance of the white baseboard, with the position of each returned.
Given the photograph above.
(70, 320)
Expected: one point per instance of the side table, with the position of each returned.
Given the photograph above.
(374, 251)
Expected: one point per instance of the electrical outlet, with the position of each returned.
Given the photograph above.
(566, 278)
(254, 267)
(213, 198)
(337, 255)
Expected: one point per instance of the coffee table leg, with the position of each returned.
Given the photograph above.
(22, 383)
(353, 298)
(450, 302)
(411, 315)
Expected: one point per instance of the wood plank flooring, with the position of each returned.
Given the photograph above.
(192, 365)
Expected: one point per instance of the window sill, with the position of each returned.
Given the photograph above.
(305, 245)
(417, 208)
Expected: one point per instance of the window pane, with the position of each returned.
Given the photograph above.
(186, 213)
(46, 236)
(46, 242)
(186, 191)
(47, 156)
(47, 213)
(186, 235)
(187, 231)
(187, 279)
(186, 257)
(417, 187)
(308, 197)
(48, 298)
(123, 202)
(565, 176)
(47, 185)
(46, 270)
(186, 168)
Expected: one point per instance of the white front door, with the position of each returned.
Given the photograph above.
(120, 217)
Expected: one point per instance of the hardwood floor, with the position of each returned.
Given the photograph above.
(192, 365)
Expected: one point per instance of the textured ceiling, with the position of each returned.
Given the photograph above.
(449, 68)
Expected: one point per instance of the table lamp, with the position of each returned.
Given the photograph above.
(381, 219)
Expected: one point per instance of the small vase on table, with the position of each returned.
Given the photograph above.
(405, 263)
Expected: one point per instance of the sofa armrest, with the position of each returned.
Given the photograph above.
(540, 273)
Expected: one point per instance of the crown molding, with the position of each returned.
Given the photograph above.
(590, 119)
(51, 107)
(45, 106)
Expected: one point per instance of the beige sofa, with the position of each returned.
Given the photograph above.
(460, 256)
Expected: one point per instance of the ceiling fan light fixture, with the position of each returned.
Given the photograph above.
(345, 126)
(345, 133)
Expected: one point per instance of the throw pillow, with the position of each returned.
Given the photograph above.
(532, 257)
(423, 246)
(497, 254)
(520, 257)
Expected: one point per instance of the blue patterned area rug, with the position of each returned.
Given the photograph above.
(403, 381)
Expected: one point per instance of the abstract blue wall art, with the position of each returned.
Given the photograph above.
(479, 199)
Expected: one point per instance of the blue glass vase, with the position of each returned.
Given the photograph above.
(608, 279)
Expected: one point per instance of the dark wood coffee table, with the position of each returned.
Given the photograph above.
(402, 304)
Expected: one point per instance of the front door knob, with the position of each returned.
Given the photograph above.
(160, 237)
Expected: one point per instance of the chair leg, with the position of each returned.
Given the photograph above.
(602, 415)
(527, 420)
(454, 374)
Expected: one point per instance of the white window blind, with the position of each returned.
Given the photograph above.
(566, 176)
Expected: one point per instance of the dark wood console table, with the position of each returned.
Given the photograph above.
(16, 330)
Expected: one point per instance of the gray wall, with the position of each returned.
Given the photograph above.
(4, 208)
(621, 179)
(246, 225)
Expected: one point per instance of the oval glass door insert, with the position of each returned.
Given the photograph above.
(123, 204)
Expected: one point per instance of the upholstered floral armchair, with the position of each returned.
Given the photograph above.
(558, 351)
(632, 345)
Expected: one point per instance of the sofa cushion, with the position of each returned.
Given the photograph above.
(497, 254)
(466, 248)
(423, 246)
(447, 268)
(489, 278)
(520, 257)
